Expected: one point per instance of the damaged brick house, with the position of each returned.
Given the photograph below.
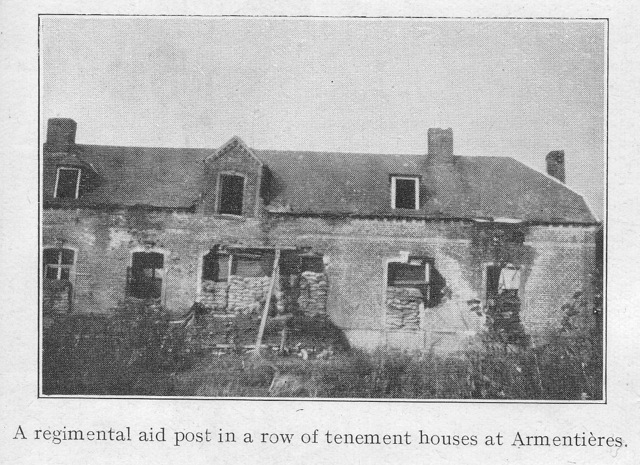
(407, 251)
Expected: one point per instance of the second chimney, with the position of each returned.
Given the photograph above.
(440, 145)
(61, 133)
(555, 164)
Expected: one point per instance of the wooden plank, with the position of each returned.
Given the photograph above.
(267, 304)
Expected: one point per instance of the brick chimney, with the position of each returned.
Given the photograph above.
(440, 145)
(61, 134)
(555, 164)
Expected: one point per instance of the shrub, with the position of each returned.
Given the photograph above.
(133, 352)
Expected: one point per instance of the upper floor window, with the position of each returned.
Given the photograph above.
(67, 183)
(231, 194)
(58, 263)
(405, 192)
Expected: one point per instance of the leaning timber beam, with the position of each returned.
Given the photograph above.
(265, 312)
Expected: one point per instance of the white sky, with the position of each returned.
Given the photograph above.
(507, 88)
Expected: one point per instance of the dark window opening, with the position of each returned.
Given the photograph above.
(313, 263)
(405, 193)
(67, 183)
(414, 274)
(215, 267)
(231, 194)
(493, 281)
(407, 275)
(145, 275)
(57, 263)
(252, 265)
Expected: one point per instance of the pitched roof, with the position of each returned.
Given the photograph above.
(470, 187)
(342, 183)
(156, 176)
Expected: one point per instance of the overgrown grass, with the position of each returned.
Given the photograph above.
(546, 373)
(136, 352)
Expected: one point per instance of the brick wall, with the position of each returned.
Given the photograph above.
(236, 160)
(555, 261)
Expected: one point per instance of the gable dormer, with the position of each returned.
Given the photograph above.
(233, 177)
(66, 176)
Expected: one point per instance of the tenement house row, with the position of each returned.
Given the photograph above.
(408, 251)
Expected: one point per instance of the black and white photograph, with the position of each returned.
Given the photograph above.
(371, 209)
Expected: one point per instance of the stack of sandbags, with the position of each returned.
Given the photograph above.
(246, 295)
(403, 307)
(314, 289)
(214, 295)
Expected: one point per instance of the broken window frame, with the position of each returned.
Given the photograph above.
(56, 193)
(220, 200)
(410, 283)
(131, 290)
(394, 193)
(232, 257)
(424, 286)
(215, 256)
(491, 293)
(59, 267)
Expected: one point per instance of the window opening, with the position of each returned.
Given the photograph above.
(408, 291)
(313, 263)
(67, 183)
(405, 193)
(231, 194)
(412, 274)
(493, 281)
(502, 279)
(215, 267)
(250, 265)
(503, 303)
(58, 263)
(145, 275)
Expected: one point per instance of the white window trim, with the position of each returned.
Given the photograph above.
(59, 266)
(416, 182)
(79, 172)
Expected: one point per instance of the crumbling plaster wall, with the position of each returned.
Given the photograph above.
(564, 263)
(555, 262)
(105, 242)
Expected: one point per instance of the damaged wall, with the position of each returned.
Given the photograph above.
(555, 261)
